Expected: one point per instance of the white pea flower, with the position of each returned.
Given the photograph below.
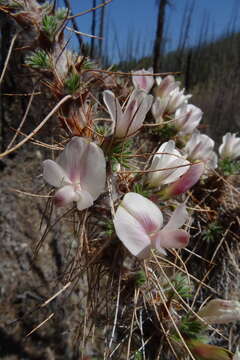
(230, 147)
(187, 118)
(139, 225)
(142, 82)
(177, 99)
(165, 86)
(126, 123)
(158, 109)
(218, 311)
(167, 165)
(199, 147)
(79, 173)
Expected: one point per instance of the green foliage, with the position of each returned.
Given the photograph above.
(192, 328)
(139, 188)
(109, 227)
(165, 131)
(61, 14)
(212, 232)
(72, 83)
(88, 64)
(121, 154)
(38, 60)
(140, 278)
(182, 286)
(229, 167)
(50, 25)
(138, 355)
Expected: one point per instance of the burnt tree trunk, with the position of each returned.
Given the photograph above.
(158, 44)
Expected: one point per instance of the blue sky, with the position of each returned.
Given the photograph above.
(134, 22)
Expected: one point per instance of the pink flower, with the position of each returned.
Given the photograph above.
(143, 82)
(185, 182)
(167, 165)
(187, 118)
(79, 173)
(128, 122)
(139, 225)
(165, 86)
(200, 147)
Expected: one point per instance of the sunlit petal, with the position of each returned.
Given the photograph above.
(178, 218)
(54, 175)
(144, 211)
(130, 231)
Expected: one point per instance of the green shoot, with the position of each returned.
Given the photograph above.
(212, 232)
(38, 60)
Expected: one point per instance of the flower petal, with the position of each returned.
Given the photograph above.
(113, 107)
(143, 82)
(84, 162)
(144, 211)
(85, 200)
(130, 232)
(177, 219)
(171, 239)
(93, 170)
(169, 165)
(65, 195)
(189, 179)
(54, 174)
(136, 110)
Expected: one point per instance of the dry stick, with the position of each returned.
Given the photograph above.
(42, 323)
(131, 326)
(55, 295)
(162, 327)
(211, 261)
(89, 10)
(161, 293)
(67, 97)
(185, 303)
(22, 122)
(190, 275)
(8, 57)
(116, 313)
(84, 34)
(130, 74)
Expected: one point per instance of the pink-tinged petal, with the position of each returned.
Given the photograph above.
(70, 158)
(189, 179)
(143, 82)
(65, 196)
(85, 200)
(54, 174)
(158, 108)
(165, 86)
(168, 165)
(113, 107)
(85, 164)
(93, 170)
(176, 239)
(131, 232)
(178, 218)
(136, 110)
(144, 211)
